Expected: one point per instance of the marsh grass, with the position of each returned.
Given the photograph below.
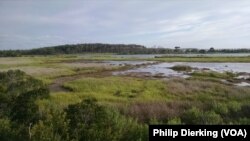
(164, 100)
(48, 68)
(213, 74)
(58, 101)
(181, 68)
(211, 89)
(117, 88)
(159, 110)
(167, 101)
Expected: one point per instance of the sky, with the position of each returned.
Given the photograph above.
(26, 24)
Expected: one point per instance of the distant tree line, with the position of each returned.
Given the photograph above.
(112, 48)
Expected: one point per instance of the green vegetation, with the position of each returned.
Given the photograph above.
(23, 119)
(164, 101)
(181, 68)
(91, 104)
(48, 68)
(88, 121)
(113, 48)
(116, 89)
(213, 75)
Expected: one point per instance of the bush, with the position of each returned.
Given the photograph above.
(54, 127)
(181, 68)
(13, 84)
(90, 121)
(6, 132)
(210, 117)
(18, 94)
(196, 116)
(220, 108)
(174, 121)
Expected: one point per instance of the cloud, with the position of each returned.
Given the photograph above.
(190, 23)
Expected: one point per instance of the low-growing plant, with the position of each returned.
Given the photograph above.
(181, 68)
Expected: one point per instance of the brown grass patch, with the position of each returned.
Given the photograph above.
(84, 65)
(162, 111)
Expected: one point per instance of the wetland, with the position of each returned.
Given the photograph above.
(139, 90)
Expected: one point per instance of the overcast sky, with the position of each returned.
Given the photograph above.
(187, 23)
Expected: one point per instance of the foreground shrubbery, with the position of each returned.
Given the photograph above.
(21, 119)
(88, 121)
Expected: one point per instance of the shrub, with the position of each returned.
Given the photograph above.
(90, 121)
(181, 68)
(174, 121)
(54, 127)
(6, 132)
(25, 109)
(220, 108)
(13, 84)
(196, 116)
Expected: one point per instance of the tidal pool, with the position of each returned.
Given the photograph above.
(164, 69)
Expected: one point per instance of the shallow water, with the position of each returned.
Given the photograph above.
(164, 68)
(212, 55)
(243, 84)
(218, 67)
(140, 56)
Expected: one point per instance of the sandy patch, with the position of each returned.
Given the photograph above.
(84, 65)
(39, 71)
(14, 61)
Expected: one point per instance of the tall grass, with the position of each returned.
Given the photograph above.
(163, 100)
(118, 88)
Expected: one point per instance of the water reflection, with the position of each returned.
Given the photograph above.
(164, 69)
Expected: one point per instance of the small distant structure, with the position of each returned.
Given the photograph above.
(177, 47)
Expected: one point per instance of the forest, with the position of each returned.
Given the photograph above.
(113, 48)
